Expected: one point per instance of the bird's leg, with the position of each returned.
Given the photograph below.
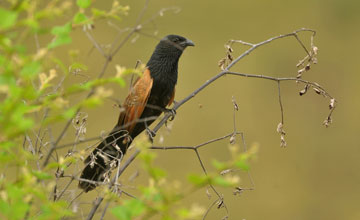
(172, 113)
(150, 133)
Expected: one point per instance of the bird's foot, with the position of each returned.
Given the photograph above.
(151, 134)
(172, 113)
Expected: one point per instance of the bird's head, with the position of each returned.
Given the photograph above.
(176, 41)
(168, 51)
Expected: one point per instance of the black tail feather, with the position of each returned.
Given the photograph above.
(103, 159)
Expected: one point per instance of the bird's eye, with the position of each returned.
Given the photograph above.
(176, 40)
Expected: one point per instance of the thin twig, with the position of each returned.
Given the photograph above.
(195, 148)
(208, 82)
(104, 211)
(248, 172)
(226, 71)
(108, 59)
(99, 200)
(94, 42)
(280, 103)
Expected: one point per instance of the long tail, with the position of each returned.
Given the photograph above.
(103, 159)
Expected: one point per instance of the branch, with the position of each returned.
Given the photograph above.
(99, 200)
(108, 59)
(195, 148)
(234, 61)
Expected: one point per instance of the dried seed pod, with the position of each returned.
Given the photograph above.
(230, 57)
(327, 121)
(221, 63)
(332, 104)
(282, 141)
(300, 71)
(315, 50)
(303, 92)
(220, 204)
(317, 91)
(208, 193)
(232, 140)
(225, 172)
(280, 129)
(229, 48)
(307, 67)
(238, 191)
(236, 107)
(314, 60)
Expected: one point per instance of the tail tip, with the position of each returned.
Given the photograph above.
(86, 186)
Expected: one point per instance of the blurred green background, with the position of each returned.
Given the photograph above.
(317, 175)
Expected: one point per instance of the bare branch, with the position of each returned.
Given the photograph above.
(94, 42)
(99, 200)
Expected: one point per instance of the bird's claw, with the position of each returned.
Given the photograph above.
(151, 134)
(172, 113)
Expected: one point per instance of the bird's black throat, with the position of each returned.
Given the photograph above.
(163, 64)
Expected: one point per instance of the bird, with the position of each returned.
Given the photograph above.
(148, 97)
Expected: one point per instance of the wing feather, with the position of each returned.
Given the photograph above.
(172, 98)
(136, 101)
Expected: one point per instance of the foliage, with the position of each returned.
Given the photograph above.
(31, 85)
(161, 197)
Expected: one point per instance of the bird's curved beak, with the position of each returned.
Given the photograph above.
(189, 43)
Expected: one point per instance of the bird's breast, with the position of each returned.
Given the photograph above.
(161, 92)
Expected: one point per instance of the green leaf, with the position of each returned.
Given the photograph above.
(60, 64)
(41, 175)
(77, 66)
(60, 40)
(62, 35)
(157, 173)
(21, 49)
(18, 206)
(31, 69)
(7, 18)
(2, 60)
(83, 3)
(53, 165)
(70, 113)
(198, 180)
(147, 157)
(54, 210)
(91, 102)
(25, 124)
(121, 212)
(14, 192)
(242, 163)
(219, 165)
(80, 18)
(129, 210)
(136, 207)
(116, 17)
(59, 30)
(33, 24)
(5, 208)
(220, 181)
(183, 213)
(91, 84)
(98, 13)
(19, 210)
